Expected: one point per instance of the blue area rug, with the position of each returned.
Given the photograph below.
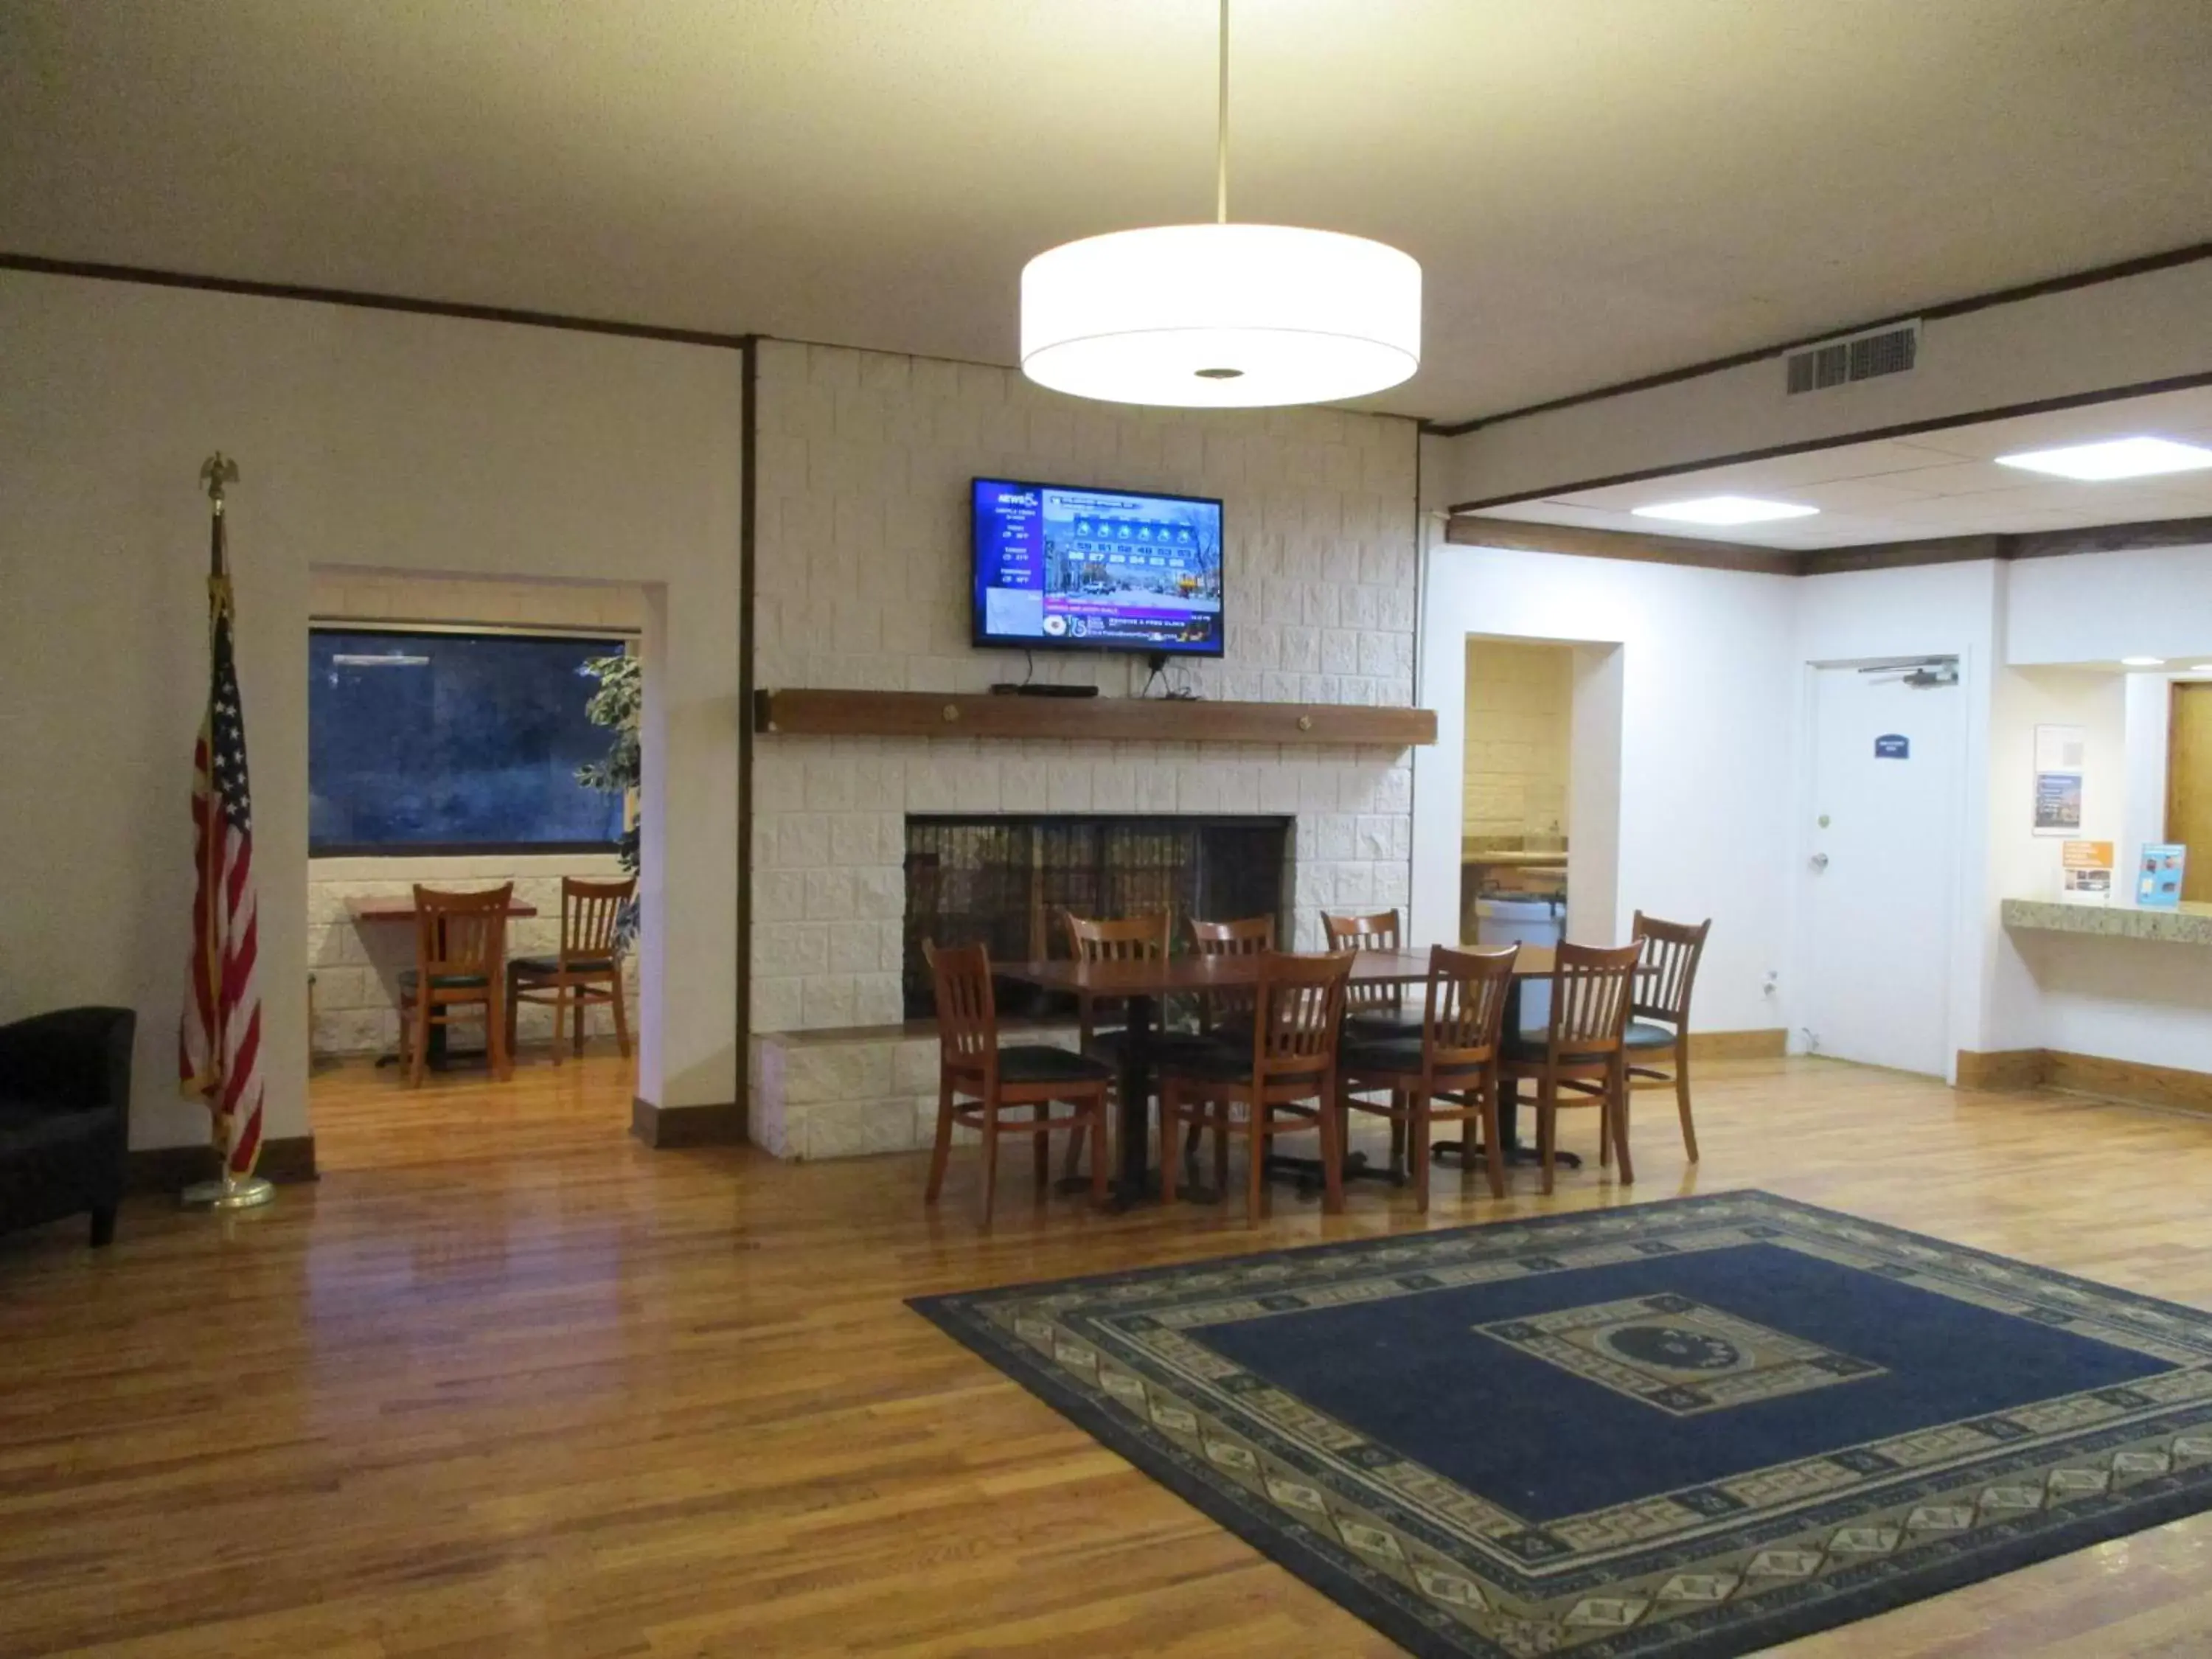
(1679, 1431)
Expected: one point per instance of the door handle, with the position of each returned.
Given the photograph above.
(1820, 861)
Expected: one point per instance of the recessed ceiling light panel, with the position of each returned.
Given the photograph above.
(1724, 509)
(2117, 458)
(2142, 662)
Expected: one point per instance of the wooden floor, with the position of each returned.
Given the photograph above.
(506, 1382)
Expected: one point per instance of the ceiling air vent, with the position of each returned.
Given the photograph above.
(1863, 357)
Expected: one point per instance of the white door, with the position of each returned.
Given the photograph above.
(1888, 749)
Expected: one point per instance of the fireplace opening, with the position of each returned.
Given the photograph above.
(1005, 881)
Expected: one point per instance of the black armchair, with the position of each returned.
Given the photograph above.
(64, 1116)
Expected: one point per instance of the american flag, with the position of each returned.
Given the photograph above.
(220, 1056)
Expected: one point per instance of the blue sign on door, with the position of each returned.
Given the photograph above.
(1892, 745)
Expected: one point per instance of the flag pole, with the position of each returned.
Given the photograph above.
(227, 1192)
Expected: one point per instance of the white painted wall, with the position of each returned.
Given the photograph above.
(2099, 607)
(2126, 333)
(367, 439)
(1697, 663)
(1945, 610)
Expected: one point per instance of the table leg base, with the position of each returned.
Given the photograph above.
(1518, 1157)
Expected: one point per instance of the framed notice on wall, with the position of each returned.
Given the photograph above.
(2158, 875)
(2086, 877)
(2059, 755)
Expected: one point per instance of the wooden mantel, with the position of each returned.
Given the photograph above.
(1120, 720)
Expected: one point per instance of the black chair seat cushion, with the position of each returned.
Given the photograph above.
(1367, 1057)
(1643, 1034)
(409, 978)
(1034, 1062)
(549, 966)
(1169, 1048)
(1384, 1024)
(1534, 1045)
(24, 1128)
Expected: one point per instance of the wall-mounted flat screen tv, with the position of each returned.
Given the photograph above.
(1097, 569)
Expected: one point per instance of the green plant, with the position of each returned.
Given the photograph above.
(616, 705)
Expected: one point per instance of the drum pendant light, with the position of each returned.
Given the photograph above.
(1221, 315)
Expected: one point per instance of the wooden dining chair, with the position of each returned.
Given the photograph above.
(1298, 1011)
(984, 1087)
(1581, 1051)
(1229, 1012)
(1659, 1016)
(1447, 1072)
(460, 947)
(586, 972)
(1379, 1008)
(1134, 939)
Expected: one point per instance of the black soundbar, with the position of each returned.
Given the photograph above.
(1010, 690)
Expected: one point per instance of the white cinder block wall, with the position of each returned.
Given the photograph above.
(862, 574)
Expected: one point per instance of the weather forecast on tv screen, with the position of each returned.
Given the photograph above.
(1097, 567)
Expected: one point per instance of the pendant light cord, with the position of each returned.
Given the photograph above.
(1221, 136)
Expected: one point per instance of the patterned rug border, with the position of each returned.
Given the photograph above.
(1746, 1636)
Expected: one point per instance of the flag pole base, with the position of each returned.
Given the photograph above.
(249, 1194)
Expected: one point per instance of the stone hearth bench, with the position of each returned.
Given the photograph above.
(850, 1091)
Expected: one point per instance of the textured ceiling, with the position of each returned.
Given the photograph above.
(1598, 189)
(1936, 484)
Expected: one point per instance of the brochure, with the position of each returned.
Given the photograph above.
(2158, 880)
(2085, 876)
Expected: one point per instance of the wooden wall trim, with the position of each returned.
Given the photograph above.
(94, 271)
(1477, 531)
(2130, 1082)
(1769, 1043)
(1896, 556)
(1842, 439)
(2003, 1068)
(285, 1160)
(664, 1127)
(1467, 530)
(848, 714)
(2003, 296)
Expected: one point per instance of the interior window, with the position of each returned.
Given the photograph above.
(422, 742)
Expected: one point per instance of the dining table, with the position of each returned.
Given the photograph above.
(1141, 985)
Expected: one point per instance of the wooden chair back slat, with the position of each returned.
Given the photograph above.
(1591, 988)
(591, 917)
(967, 1014)
(1131, 939)
(1298, 1009)
(1467, 991)
(460, 935)
(1251, 937)
(1378, 931)
(1670, 950)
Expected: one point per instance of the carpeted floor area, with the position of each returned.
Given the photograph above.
(1684, 1431)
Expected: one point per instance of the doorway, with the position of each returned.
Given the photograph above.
(2189, 784)
(1882, 844)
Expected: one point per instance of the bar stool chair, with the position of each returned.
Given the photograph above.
(1297, 1010)
(586, 972)
(1447, 1073)
(1002, 1081)
(1659, 1017)
(461, 943)
(1581, 1051)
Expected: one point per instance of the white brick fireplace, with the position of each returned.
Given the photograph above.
(861, 576)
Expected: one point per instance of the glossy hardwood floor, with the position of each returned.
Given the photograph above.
(507, 1383)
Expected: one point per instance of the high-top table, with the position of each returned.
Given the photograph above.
(1139, 985)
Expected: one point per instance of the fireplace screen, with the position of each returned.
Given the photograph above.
(1006, 882)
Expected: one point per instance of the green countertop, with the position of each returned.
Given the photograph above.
(2189, 925)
